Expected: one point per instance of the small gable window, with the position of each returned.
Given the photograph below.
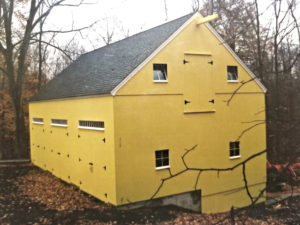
(234, 149)
(162, 159)
(91, 125)
(160, 73)
(38, 120)
(59, 122)
(232, 73)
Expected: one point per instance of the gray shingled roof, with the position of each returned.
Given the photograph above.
(100, 71)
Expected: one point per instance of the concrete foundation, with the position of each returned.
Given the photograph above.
(188, 200)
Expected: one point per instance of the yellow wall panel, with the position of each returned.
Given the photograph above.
(73, 154)
(162, 124)
(152, 116)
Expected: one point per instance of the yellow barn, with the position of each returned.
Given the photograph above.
(151, 116)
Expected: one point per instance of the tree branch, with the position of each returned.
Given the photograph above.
(187, 152)
(238, 88)
(254, 121)
(56, 47)
(65, 31)
(246, 183)
(249, 128)
(46, 13)
(197, 180)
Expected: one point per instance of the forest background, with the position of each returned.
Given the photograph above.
(266, 37)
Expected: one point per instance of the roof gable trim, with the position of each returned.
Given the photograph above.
(164, 44)
(138, 68)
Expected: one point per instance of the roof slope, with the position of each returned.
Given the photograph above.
(100, 71)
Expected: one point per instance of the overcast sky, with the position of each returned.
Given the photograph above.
(122, 15)
(125, 16)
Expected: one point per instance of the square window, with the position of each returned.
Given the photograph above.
(160, 72)
(234, 149)
(232, 73)
(162, 159)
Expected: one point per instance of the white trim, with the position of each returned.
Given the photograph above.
(160, 81)
(90, 128)
(162, 167)
(235, 157)
(232, 81)
(40, 123)
(58, 125)
(137, 69)
(236, 57)
(70, 98)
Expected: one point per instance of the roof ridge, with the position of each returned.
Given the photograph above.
(135, 35)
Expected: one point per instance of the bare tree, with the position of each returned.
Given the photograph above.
(285, 23)
(166, 10)
(107, 31)
(195, 5)
(19, 36)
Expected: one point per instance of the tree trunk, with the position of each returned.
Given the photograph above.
(20, 150)
(277, 88)
(258, 43)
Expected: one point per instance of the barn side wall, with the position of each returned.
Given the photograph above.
(79, 156)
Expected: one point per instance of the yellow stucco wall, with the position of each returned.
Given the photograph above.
(68, 151)
(145, 116)
(152, 116)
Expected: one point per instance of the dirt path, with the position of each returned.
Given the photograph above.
(29, 195)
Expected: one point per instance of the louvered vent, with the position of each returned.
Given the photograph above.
(93, 125)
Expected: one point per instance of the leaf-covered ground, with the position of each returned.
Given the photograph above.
(29, 195)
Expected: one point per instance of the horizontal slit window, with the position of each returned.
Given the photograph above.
(92, 125)
(38, 120)
(59, 122)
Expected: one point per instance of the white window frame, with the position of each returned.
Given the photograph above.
(237, 73)
(162, 167)
(91, 128)
(37, 122)
(57, 124)
(159, 80)
(234, 149)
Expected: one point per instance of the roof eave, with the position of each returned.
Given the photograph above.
(70, 98)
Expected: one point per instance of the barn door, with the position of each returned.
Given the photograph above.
(198, 83)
